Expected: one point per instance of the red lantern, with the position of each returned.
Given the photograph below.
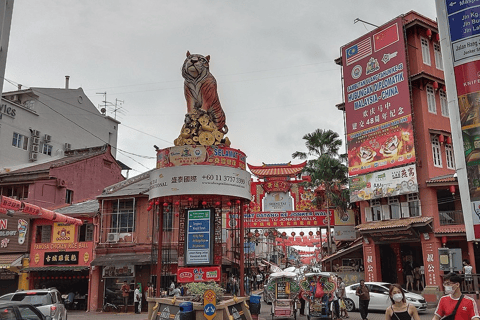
(176, 214)
(284, 233)
(318, 233)
(444, 240)
(165, 204)
(265, 234)
(238, 201)
(452, 190)
(429, 33)
(149, 208)
(311, 233)
(157, 202)
(204, 203)
(441, 139)
(435, 85)
(437, 37)
(177, 203)
(190, 199)
(217, 203)
(275, 233)
(293, 234)
(257, 234)
(302, 233)
(229, 203)
(449, 140)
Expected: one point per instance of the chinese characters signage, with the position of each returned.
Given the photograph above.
(377, 101)
(200, 274)
(60, 258)
(388, 183)
(199, 237)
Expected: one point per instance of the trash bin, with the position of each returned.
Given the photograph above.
(255, 304)
(186, 311)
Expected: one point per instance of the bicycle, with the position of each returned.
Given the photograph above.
(108, 306)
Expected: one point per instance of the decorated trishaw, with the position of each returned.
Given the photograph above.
(283, 289)
(318, 290)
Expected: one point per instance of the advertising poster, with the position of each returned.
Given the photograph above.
(377, 101)
(199, 237)
(387, 183)
(200, 274)
(459, 23)
(14, 234)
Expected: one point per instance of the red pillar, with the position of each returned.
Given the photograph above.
(242, 253)
(471, 256)
(159, 212)
(94, 288)
(430, 246)
(371, 258)
(399, 265)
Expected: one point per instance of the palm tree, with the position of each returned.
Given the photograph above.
(327, 169)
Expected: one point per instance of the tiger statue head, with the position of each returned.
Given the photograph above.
(196, 67)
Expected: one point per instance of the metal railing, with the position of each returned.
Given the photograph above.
(450, 217)
(470, 284)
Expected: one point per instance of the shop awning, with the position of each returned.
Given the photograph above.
(57, 268)
(342, 252)
(11, 260)
(115, 259)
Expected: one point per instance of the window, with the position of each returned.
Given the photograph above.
(437, 156)
(47, 149)
(394, 207)
(414, 205)
(20, 141)
(432, 107)
(44, 234)
(167, 218)
(123, 216)
(449, 156)
(443, 103)
(69, 196)
(376, 209)
(426, 51)
(438, 56)
(86, 232)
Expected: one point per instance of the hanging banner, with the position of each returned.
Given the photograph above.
(377, 101)
(459, 25)
(387, 183)
(284, 219)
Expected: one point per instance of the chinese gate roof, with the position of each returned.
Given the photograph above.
(393, 224)
(277, 170)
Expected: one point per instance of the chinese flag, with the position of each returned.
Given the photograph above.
(386, 37)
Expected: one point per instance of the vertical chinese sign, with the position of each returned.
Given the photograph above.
(377, 101)
(199, 235)
(459, 24)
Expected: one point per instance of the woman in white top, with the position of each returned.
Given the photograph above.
(467, 271)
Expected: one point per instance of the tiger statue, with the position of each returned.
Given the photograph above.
(201, 90)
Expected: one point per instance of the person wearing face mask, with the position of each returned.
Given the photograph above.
(400, 309)
(466, 307)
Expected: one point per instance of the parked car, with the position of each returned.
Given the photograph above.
(379, 299)
(48, 301)
(20, 311)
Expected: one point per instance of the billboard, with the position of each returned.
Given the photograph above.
(460, 38)
(377, 101)
(283, 219)
(199, 237)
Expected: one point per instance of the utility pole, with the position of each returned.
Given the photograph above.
(6, 12)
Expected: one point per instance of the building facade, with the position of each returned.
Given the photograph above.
(40, 124)
(401, 163)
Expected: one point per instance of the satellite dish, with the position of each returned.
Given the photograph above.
(103, 110)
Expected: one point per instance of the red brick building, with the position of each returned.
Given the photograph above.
(401, 164)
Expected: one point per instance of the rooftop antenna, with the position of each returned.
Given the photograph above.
(118, 106)
(104, 109)
(360, 20)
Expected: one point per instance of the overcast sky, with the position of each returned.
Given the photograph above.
(273, 61)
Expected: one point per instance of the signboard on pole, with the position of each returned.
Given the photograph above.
(459, 25)
(199, 249)
(377, 101)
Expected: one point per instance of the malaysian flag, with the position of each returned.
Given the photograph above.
(359, 51)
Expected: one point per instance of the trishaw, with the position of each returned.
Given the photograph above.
(283, 289)
(318, 290)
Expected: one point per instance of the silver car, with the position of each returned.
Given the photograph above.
(379, 298)
(48, 301)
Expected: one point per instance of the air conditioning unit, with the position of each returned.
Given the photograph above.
(33, 156)
(35, 133)
(61, 183)
(34, 148)
(67, 146)
(35, 140)
(47, 138)
(113, 237)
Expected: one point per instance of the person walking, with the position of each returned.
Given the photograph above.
(125, 293)
(150, 292)
(467, 271)
(454, 304)
(400, 309)
(417, 277)
(342, 296)
(137, 298)
(408, 275)
(363, 299)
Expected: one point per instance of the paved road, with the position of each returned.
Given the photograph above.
(264, 315)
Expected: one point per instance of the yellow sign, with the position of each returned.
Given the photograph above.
(209, 304)
(63, 232)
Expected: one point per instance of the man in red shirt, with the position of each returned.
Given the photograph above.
(467, 310)
(125, 294)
